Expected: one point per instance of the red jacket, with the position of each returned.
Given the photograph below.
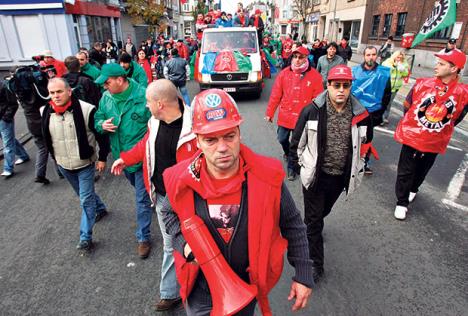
(266, 246)
(144, 149)
(292, 92)
(59, 67)
(430, 120)
(287, 48)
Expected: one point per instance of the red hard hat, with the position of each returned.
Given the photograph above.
(340, 72)
(455, 56)
(214, 110)
(301, 50)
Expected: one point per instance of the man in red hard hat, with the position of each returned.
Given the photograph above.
(327, 161)
(263, 220)
(433, 107)
(295, 87)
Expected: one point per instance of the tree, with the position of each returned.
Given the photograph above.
(303, 8)
(147, 12)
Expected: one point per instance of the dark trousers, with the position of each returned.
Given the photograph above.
(413, 167)
(318, 202)
(283, 135)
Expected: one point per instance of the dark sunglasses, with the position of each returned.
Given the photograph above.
(338, 85)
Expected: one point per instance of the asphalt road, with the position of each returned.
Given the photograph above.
(375, 265)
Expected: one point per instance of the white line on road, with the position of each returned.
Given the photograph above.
(387, 131)
(454, 204)
(457, 181)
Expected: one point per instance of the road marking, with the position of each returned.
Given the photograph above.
(387, 131)
(458, 179)
(454, 204)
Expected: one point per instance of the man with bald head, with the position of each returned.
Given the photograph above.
(169, 139)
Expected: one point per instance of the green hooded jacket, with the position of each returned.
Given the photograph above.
(91, 71)
(131, 120)
(138, 74)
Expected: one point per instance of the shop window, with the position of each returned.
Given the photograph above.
(375, 25)
(400, 29)
(387, 25)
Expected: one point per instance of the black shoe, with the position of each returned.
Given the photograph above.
(100, 215)
(292, 175)
(85, 245)
(42, 180)
(317, 273)
(167, 304)
(368, 171)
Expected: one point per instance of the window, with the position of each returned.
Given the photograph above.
(186, 7)
(387, 24)
(375, 25)
(400, 28)
(443, 34)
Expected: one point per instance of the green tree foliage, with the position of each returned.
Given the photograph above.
(146, 12)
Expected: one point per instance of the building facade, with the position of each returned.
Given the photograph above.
(384, 18)
(28, 27)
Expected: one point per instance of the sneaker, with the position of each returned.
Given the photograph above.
(85, 245)
(100, 215)
(42, 180)
(412, 196)
(7, 174)
(400, 212)
(167, 304)
(144, 249)
(20, 161)
(317, 273)
(368, 171)
(292, 175)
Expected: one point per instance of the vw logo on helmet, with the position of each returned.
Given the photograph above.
(212, 100)
(229, 77)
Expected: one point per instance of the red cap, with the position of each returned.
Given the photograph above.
(301, 50)
(214, 110)
(258, 11)
(340, 72)
(455, 56)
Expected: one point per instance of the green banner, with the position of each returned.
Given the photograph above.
(443, 15)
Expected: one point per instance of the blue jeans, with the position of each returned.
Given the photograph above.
(143, 205)
(185, 95)
(283, 134)
(82, 182)
(168, 287)
(11, 146)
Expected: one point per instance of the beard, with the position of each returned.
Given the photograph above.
(370, 63)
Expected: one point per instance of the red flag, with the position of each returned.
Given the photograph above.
(183, 2)
(225, 61)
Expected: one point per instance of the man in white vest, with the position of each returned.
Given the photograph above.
(68, 128)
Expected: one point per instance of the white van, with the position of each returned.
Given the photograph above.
(238, 42)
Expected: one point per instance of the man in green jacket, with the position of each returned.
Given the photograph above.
(86, 67)
(133, 69)
(124, 116)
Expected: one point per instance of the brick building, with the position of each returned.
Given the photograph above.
(396, 17)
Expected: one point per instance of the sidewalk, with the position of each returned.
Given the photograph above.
(418, 72)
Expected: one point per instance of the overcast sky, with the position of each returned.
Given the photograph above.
(230, 6)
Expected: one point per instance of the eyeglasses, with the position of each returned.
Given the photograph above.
(338, 85)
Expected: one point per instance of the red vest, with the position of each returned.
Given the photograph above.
(266, 246)
(429, 122)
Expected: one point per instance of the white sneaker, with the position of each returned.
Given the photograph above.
(411, 197)
(20, 161)
(7, 174)
(400, 212)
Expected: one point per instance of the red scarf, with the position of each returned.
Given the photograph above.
(242, 20)
(60, 109)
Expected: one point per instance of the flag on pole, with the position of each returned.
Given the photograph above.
(443, 15)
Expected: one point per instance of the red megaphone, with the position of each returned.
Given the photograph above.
(229, 293)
